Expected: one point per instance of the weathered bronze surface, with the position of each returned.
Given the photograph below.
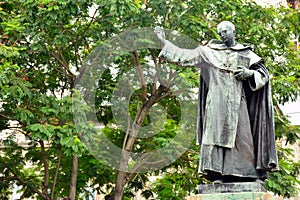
(235, 112)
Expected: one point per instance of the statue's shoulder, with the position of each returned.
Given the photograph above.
(216, 44)
(219, 45)
(244, 46)
(241, 47)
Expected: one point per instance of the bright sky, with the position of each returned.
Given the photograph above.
(292, 109)
(275, 3)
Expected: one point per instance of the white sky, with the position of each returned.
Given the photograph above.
(275, 3)
(292, 109)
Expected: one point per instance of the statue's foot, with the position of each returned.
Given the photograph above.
(219, 181)
(259, 181)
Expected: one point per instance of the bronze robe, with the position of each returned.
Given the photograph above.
(235, 118)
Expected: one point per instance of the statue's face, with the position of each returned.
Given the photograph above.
(226, 33)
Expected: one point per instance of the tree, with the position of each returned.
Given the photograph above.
(43, 47)
(39, 46)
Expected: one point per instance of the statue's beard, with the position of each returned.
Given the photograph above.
(228, 42)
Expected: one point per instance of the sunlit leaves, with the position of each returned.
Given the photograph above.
(283, 181)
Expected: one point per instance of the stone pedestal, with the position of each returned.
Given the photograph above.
(232, 191)
(231, 188)
(233, 196)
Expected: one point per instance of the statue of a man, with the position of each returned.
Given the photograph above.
(235, 111)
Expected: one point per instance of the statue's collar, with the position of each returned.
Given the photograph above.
(219, 45)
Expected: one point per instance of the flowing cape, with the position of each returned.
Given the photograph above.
(260, 109)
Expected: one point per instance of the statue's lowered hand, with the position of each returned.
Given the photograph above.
(160, 33)
(243, 73)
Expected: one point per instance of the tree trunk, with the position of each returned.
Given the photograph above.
(123, 175)
(56, 171)
(73, 179)
(45, 183)
(120, 185)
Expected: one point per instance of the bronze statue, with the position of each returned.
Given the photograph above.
(235, 111)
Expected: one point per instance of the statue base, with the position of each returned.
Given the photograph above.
(232, 191)
(233, 196)
(231, 188)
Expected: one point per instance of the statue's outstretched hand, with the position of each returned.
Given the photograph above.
(243, 73)
(160, 33)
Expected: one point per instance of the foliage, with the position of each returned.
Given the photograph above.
(43, 46)
(282, 182)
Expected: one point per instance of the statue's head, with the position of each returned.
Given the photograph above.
(226, 30)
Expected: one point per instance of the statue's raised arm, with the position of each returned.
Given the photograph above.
(173, 53)
(160, 34)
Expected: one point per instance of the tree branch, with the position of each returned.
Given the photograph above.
(146, 164)
(127, 132)
(23, 182)
(46, 169)
(56, 171)
(9, 178)
(4, 116)
(44, 196)
(78, 38)
(65, 67)
(50, 55)
(90, 23)
(140, 74)
(279, 112)
(156, 76)
(76, 54)
(63, 60)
